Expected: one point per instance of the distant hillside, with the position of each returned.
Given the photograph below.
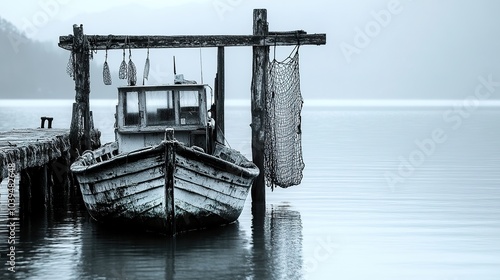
(32, 69)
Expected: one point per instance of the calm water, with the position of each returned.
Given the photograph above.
(388, 193)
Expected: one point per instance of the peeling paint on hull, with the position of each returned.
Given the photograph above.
(130, 188)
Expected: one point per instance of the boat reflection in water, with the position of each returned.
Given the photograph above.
(272, 250)
(63, 240)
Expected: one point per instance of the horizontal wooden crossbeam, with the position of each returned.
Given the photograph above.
(100, 42)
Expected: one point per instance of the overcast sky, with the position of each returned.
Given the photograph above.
(376, 49)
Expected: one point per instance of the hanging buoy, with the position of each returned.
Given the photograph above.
(122, 73)
(132, 71)
(106, 75)
(146, 69)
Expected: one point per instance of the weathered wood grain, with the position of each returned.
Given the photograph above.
(110, 42)
(220, 96)
(28, 148)
(259, 90)
(206, 190)
(81, 121)
(170, 181)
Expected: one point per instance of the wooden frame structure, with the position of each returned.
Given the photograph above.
(81, 46)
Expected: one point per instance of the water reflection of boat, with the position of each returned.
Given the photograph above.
(216, 253)
(271, 250)
(147, 179)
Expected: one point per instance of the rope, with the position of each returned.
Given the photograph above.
(224, 136)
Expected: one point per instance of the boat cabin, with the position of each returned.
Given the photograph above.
(144, 112)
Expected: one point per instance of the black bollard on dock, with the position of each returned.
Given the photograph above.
(48, 119)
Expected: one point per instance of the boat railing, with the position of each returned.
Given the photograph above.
(105, 153)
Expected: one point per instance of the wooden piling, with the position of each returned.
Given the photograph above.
(25, 192)
(39, 187)
(60, 169)
(74, 131)
(81, 109)
(219, 96)
(61, 175)
(259, 82)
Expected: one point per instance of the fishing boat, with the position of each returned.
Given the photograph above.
(154, 180)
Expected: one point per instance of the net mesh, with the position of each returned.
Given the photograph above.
(70, 67)
(132, 73)
(106, 75)
(122, 72)
(283, 140)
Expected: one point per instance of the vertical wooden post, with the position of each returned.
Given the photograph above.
(25, 192)
(39, 191)
(60, 173)
(219, 96)
(74, 131)
(44, 178)
(259, 84)
(169, 181)
(82, 88)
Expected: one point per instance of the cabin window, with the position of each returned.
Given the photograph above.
(131, 108)
(160, 108)
(189, 107)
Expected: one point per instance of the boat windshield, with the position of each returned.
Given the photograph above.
(189, 107)
(132, 108)
(160, 108)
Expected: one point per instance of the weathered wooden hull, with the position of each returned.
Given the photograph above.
(130, 188)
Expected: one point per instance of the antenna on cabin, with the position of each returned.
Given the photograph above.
(177, 79)
(175, 71)
(201, 66)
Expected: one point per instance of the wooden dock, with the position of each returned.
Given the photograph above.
(30, 148)
(41, 158)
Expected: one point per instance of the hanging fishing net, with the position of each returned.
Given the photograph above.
(283, 140)
(70, 67)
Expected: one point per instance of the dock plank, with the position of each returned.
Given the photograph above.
(28, 148)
